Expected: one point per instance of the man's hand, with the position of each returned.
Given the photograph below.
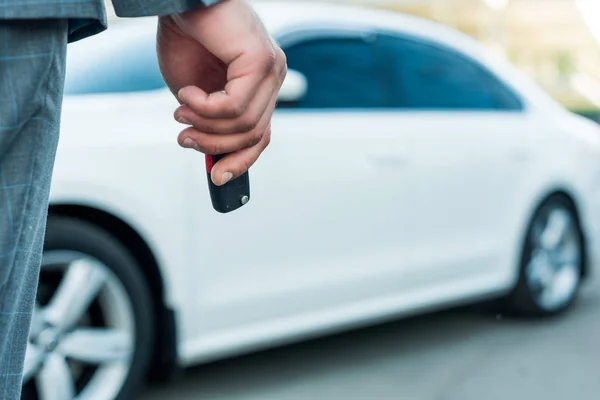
(226, 71)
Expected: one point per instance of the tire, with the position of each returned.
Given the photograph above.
(539, 265)
(93, 249)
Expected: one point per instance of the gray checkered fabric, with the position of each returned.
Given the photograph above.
(32, 58)
(33, 39)
(88, 17)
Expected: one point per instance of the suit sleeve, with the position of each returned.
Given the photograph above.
(144, 8)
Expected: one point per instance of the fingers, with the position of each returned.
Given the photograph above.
(246, 94)
(244, 148)
(235, 164)
(227, 135)
(240, 90)
(236, 119)
(234, 34)
(189, 115)
(210, 143)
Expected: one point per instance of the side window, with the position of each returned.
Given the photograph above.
(341, 73)
(427, 76)
(127, 67)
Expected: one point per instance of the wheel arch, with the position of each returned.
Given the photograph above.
(570, 199)
(164, 357)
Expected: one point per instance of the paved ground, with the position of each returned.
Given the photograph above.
(457, 355)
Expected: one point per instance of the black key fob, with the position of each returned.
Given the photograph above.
(231, 196)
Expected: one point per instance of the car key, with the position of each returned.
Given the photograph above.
(231, 196)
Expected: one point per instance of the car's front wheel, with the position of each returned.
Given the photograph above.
(92, 329)
(552, 261)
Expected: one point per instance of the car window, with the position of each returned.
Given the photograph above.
(129, 66)
(341, 73)
(427, 76)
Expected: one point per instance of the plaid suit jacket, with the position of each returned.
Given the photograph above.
(88, 17)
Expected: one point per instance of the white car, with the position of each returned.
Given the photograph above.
(408, 171)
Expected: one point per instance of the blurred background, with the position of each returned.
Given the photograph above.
(554, 42)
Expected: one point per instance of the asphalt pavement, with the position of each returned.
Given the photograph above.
(460, 354)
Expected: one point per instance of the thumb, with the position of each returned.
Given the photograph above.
(235, 164)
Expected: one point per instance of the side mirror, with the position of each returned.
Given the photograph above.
(294, 87)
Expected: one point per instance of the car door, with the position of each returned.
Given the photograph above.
(472, 146)
(325, 228)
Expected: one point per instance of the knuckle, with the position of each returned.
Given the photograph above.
(254, 139)
(247, 124)
(282, 67)
(235, 109)
(282, 58)
(211, 148)
(281, 77)
(217, 148)
(267, 136)
(284, 70)
(246, 164)
(269, 59)
(205, 128)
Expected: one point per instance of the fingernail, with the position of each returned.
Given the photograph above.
(184, 120)
(180, 94)
(226, 177)
(189, 144)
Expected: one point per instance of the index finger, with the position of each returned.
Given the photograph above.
(233, 165)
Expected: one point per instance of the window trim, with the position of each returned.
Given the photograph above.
(307, 32)
(504, 86)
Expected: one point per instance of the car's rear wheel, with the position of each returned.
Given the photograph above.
(552, 262)
(92, 329)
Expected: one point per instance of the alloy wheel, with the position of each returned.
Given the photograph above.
(82, 331)
(554, 270)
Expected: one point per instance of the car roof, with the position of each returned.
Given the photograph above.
(279, 16)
